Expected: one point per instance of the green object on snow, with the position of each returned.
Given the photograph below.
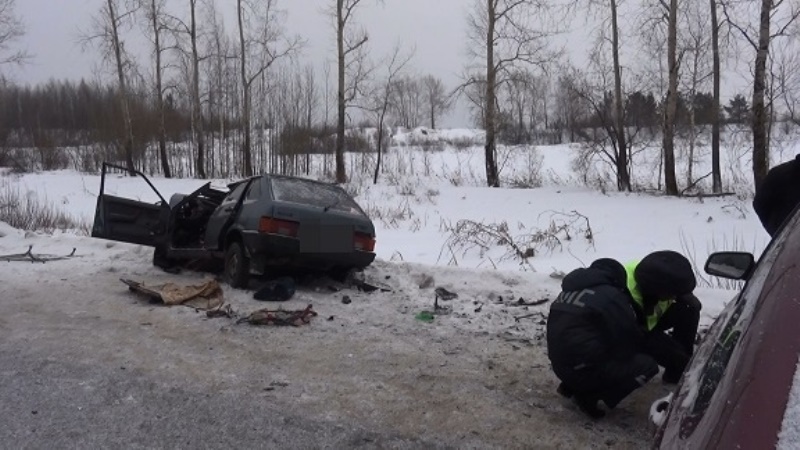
(424, 316)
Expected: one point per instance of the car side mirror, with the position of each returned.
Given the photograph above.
(732, 265)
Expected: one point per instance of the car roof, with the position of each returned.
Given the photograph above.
(233, 185)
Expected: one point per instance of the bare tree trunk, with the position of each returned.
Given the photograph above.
(692, 138)
(308, 146)
(382, 103)
(162, 132)
(380, 142)
(759, 123)
(716, 171)
(248, 163)
(341, 174)
(670, 182)
(197, 111)
(222, 100)
(490, 124)
(623, 176)
(123, 88)
(311, 100)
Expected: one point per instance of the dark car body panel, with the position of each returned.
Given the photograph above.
(127, 220)
(735, 392)
(223, 217)
(271, 250)
(201, 224)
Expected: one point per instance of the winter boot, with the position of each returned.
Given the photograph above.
(589, 406)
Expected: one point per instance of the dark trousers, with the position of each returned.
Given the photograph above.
(672, 350)
(610, 381)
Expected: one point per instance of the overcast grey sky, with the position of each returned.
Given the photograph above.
(436, 28)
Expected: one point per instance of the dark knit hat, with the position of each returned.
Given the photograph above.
(665, 274)
(613, 268)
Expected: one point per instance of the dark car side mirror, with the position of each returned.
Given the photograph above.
(732, 265)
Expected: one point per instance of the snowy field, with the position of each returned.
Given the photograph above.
(437, 226)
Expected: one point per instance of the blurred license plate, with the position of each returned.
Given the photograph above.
(318, 238)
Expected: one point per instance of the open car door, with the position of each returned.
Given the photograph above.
(126, 220)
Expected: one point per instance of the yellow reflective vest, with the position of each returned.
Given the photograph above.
(661, 307)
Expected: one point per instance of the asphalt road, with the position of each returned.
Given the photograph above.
(86, 364)
(49, 402)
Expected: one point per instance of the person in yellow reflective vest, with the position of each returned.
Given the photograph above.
(661, 287)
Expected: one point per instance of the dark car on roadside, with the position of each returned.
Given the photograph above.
(742, 387)
(259, 224)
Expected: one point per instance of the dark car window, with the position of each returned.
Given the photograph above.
(254, 193)
(315, 194)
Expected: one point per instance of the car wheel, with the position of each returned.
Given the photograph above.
(237, 266)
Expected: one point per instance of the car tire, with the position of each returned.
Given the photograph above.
(237, 265)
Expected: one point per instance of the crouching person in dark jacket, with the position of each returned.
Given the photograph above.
(593, 340)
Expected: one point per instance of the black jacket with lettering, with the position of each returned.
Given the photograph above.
(592, 320)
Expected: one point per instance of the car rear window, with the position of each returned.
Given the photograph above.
(312, 193)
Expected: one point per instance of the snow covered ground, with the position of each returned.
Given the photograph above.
(434, 223)
(418, 204)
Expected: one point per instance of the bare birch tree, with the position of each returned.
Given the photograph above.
(262, 43)
(11, 30)
(310, 103)
(108, 25)
(615, 129)
(779, 15)
(222, 91)
(352, 70)
(503, 37)
(760, 115)
(154, 12)
(381, 98)
(436, 99)
(198, 131)
(623, 173)
(694, 43)
(191, 60)
(671, 101)
(787, 79)
(407, 101)
(716, 171)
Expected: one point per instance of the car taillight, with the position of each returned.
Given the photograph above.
(364, 242)
(278, 226)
